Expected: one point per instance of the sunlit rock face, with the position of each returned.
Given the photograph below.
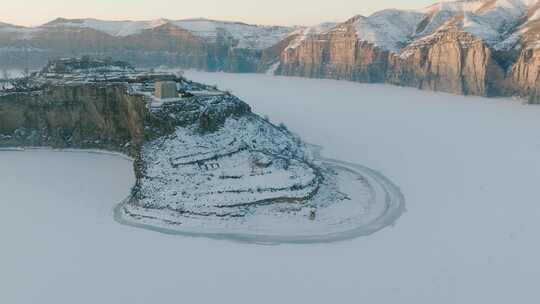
(525, 75)
(336, 54)
(450, 61)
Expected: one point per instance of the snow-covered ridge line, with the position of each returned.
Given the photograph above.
(493, 21)
(247, 35)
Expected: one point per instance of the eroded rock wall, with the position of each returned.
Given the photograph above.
(525, 75)
(337, 54)
(78, 116)
(452, 61)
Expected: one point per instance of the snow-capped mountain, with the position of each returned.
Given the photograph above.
(427, 48)
(195, 43)
(491, 20)
(388, 29)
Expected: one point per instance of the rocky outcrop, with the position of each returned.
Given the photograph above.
(525, 75)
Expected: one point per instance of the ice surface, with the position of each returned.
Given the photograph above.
(468, 166)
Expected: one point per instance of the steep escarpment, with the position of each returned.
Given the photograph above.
(525, 75)
(100, 116)
(450, 61)
(336, 54)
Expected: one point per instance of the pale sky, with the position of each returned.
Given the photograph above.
(279, 12)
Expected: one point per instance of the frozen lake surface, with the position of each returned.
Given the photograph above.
(468, 167)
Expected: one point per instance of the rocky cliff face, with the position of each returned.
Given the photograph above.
(78, 116)
(450, 61)
(336, 54)
(525, 75)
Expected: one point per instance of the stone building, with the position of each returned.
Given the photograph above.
(166, 89)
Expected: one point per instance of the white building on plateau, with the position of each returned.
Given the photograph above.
(166, 89)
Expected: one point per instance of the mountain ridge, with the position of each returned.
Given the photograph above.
(403, 47)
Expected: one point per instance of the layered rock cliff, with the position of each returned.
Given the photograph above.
(336, 54)
(450, 61)
(99, 116)
(474, 47)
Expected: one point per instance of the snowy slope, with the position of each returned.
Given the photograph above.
(501, 23)
(113, 28)
(527, 34)
(15, 31)
(248, 36)
(305, 32)
(388, 29)
(492, 20)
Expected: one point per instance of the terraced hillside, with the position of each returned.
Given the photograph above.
(205, 164)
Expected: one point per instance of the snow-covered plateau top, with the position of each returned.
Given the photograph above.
(304, 32)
